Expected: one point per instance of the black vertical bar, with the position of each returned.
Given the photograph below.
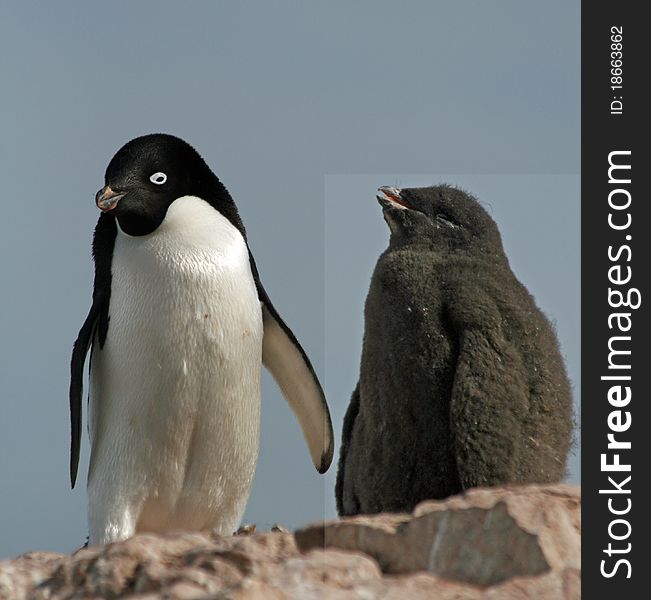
(616, 257)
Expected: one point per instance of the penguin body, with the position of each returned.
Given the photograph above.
(462, 383)
(178, 337)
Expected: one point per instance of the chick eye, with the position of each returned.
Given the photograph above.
(158, 178)
(441, 220)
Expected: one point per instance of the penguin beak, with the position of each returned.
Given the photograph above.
(106, 199)
(389, 197)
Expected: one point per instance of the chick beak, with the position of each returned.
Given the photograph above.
(390, 196)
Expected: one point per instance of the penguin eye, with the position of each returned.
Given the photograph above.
(446, 222)
(158, 178)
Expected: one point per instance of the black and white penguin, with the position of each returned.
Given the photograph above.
(179, 327)
(462, 382)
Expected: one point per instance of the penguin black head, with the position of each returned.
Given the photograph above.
(442, 215)
(148, 173)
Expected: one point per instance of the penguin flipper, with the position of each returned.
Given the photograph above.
(97, 320)
(341, 495)
(79, 352)
(286, 360)
(293, 372)
(489, 404)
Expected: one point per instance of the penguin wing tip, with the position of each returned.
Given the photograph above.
(73, 475)
(326, 460)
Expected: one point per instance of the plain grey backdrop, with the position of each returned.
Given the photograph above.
(288, 102)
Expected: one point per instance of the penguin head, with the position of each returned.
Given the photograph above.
(149, 173)
(442, 216)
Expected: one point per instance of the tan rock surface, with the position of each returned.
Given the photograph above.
(488, 544)
(483, 537)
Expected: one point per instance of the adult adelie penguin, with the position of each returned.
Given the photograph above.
(179, 327)
(462, 383)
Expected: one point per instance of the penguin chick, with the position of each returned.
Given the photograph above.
(462, 383)
(179, 328)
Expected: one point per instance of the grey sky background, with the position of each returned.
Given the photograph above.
(288, 102)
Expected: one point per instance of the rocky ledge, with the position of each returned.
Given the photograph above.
(490, 543)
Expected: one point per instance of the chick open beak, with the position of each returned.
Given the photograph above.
(390, 197)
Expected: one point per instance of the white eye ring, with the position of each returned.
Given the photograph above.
(158, 178)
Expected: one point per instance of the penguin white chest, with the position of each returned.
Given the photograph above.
(175, 391)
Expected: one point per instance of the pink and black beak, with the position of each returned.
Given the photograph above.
(106, 199)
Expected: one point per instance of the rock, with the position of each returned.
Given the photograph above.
(483, 537)
(488, 544)
(246, 529)
(24, 573)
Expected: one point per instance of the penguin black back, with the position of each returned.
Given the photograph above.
(462, 383)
